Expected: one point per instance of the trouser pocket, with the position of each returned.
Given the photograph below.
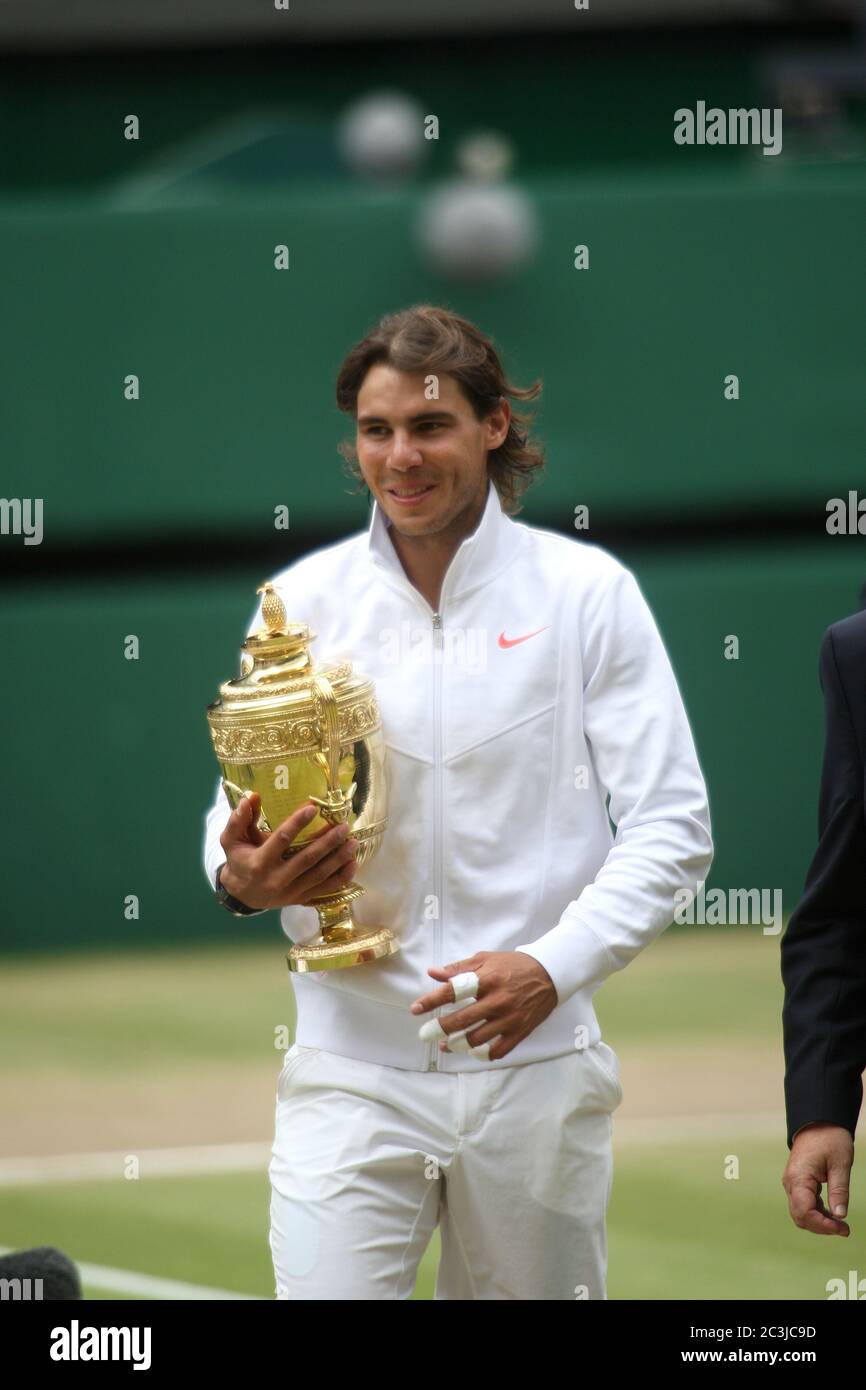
(295, 1058)
(606, 1062)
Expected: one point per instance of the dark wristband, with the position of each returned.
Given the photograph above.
(233, 905)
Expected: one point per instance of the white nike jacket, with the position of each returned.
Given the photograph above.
(539, 688)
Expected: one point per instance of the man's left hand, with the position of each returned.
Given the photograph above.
(514, 995)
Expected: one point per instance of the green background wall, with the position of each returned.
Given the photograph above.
(699, 267)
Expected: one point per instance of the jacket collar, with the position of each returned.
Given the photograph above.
(478, 558)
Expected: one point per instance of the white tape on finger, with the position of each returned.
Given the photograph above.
(458, 1042)
(465, 986)
(432, 1031)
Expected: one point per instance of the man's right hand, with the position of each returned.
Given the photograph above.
(257, 875)
(820, 1153)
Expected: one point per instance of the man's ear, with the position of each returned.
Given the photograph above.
(507, 409)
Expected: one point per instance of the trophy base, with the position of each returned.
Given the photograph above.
(354, 946)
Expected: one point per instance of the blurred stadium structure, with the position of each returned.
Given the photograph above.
(154, 256)
(31, 23)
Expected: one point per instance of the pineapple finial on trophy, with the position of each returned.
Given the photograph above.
(273, 608)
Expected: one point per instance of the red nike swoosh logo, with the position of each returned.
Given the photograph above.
(513, 641)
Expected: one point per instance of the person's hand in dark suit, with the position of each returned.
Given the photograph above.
(819, 1154)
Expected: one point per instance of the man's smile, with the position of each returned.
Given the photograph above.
(410, 496)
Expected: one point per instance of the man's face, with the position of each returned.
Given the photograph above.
(435, 448)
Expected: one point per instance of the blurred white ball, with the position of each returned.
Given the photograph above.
(382, 135)
(485, 155)
(477, 230)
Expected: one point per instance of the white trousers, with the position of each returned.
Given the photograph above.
(513, 1163)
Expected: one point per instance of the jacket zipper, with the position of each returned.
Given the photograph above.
(432, 1063)
(433, 1047)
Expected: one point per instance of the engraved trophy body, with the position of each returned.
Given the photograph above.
(294, 732)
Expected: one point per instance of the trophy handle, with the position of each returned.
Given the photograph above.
(337, 804)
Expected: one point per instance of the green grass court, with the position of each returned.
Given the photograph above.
(694, 1020)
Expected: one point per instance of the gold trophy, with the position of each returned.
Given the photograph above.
(296, 732)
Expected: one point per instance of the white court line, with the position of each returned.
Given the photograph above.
(254, 1158)
(152, 1163)
(146, 1285)
(655, 1129)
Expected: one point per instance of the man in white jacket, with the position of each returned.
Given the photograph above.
(530, 711)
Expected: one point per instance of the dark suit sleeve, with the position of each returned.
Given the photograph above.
(823, 950)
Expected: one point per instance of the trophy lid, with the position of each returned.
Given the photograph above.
(276, 665)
